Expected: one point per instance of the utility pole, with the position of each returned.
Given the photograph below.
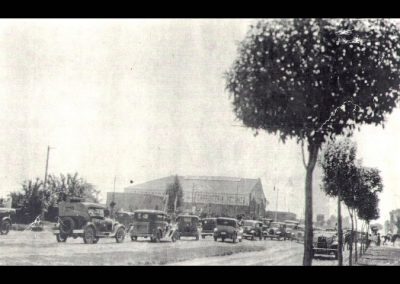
(276, 207)
(47, 167)
(112, 204)
(45, 178)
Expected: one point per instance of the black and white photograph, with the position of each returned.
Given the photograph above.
(200, 142)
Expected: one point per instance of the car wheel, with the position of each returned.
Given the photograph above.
(203, 236)
(158, 237)
(89, 235)
(61, 238)
(197, 237)
(265, 238)
(223, 239)
(215, 239)
(240, 240)
(96, 240)
(5, 227)
(120, 235)
(252, 238)
(234, 239)
(133, 238)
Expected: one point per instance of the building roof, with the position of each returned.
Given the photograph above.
(212, 184)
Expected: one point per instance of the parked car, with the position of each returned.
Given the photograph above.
(291, 229)
(87, 220)
(277, 230)
(188, 226)
(252, 229)
(228, 228)
(207, 226)
(5, 220)
(125, 218)
(325, 243)
(299, 234)
(153, 224)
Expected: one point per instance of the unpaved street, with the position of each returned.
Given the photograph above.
(30, 248)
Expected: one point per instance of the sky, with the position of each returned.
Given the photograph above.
(143, 99)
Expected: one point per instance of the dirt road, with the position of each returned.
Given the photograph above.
(29, 248)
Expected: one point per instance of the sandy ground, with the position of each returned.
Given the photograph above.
(41, 248)
(382, 255)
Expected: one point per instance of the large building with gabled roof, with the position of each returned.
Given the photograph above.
(207, 195)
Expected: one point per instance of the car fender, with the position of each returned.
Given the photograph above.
(6, 218)
(91, 224)
(117, 226)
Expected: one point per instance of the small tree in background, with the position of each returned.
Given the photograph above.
(313, 79)
(174, 193)
(369, 185)
(339, 174)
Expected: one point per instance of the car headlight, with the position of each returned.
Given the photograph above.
(252, 231)
(278, 232)
(215, 229)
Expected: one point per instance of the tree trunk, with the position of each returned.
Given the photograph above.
(308, 236)
(351, 239)
(356, 240)
(340, 234)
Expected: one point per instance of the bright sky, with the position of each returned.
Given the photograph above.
(143, 99)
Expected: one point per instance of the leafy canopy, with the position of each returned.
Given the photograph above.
(316, 78)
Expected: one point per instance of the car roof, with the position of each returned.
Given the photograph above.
(188, 216)
(279, 223)
(150, 211)
(253, 221)
(225, 218)
(94, 205)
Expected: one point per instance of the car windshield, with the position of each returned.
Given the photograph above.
(208, 221)
(225, 222)
(96, 212)
(290, 225)
(142, 216)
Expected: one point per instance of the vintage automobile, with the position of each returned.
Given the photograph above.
(277, 230)
(291, 229)
(325, 243)
(252, 229)
(125, 218)
(188, 226)
(207, 226)
(5, 220)
(228, 228)
(78, 218)
(299, 234)
(153, 224)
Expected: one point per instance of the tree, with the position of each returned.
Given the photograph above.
(311, 79)
(339, 173)
(71, 185)
(174, 194)
(369, 185)
(34, 199)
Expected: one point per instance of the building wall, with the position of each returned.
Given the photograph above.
(281, 216)
(135, 201)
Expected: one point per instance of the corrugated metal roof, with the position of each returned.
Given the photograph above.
(212, 184)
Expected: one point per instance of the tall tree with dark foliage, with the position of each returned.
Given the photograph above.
(313, 79)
